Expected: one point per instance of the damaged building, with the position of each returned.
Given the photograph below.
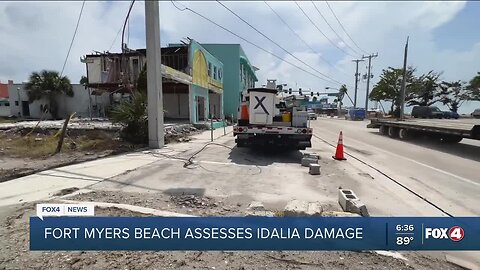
(192, 79)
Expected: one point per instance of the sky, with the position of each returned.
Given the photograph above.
(443, 35)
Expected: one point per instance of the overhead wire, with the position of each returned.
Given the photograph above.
(125, 23)
(253, 44)
(301, 39)
(73, 38)
(278, 45)
(335, 32)
(321, 32)
(344, 30)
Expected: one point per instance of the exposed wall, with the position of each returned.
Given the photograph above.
(215, 101)
(197, 91)
(175, 105)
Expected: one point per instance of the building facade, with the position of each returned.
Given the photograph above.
(192, 85)
(81, 103)
(4, 100)
(239, 74)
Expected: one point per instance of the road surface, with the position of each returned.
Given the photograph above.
(446, 175)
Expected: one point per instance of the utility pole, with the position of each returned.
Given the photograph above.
(154, 75)
(368, 78)
(356, 82)
(404, 81)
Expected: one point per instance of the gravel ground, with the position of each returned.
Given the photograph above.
(15, 254)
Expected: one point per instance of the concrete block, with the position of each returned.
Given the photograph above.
(311, 155)
(344, 195)
(256, 206)
(297, 208)
(351, 203)
(314, 169)
(357, 207)
(307, 161)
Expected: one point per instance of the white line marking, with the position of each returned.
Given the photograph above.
(419, 163)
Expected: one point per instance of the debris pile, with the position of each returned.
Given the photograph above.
(193, 201)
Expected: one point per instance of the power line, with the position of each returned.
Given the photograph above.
(251, 43)
(325, 20)
(116, 37)
(73, 38)
(125, 23)
(304, 42)
(333, 43)
(344, 30)
(278, 45)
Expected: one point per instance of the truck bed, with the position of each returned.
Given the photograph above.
(467, 128)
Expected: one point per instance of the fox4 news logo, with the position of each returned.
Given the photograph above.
(455, 233)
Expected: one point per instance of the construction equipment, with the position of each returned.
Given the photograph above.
(267, 119)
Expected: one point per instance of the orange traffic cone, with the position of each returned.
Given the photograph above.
(339, 151)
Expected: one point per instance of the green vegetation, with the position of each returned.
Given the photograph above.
(48, 84)
(424, 90)
(132, 113)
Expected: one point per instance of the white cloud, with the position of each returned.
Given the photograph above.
(36, 35)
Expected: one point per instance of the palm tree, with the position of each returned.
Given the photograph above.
(48, 84)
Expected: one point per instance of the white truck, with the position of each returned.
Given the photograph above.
(266, 119)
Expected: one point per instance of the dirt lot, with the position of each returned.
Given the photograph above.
(23, 152)
(15, 254)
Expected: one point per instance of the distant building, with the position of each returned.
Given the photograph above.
(192, 83)
(4, 101)
(239, 74)
(81, 103)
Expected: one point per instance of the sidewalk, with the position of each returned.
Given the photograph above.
(44, 185)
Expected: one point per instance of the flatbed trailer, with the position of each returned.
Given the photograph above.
(448, 131)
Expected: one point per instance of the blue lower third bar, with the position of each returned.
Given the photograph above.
(254, 233)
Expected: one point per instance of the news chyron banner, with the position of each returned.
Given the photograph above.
(79, 230)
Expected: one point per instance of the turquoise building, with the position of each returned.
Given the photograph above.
(238, 74)
(207, 84)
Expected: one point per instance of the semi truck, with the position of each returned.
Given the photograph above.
(267, 119)
(447, 131)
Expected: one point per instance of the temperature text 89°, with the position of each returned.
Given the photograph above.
(404, 240)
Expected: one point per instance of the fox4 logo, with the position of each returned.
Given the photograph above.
(455, 233)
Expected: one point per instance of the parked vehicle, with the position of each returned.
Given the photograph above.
(443, 131)
(476, 113)
(266, 119)
(450, 114)
(427, 112)
(311, 115)
(355, 114)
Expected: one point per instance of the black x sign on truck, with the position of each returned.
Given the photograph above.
(259, 103)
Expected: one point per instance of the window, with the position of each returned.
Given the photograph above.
(220, 74)
(215, 72)
(16, 102)
(209, 69)
(7, 104)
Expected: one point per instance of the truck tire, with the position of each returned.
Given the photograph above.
(404, 134)
(451, 139)
(392, 132)
(383, 130)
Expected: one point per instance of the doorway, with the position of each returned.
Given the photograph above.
(200, 108)
(25, 108)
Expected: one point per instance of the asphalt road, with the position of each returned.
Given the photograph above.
(448, 176)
